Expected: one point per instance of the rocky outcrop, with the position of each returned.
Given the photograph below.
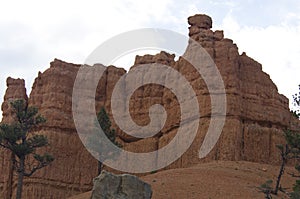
(200, 21)
(108, 185)
(52, 95)
(161, 58)
(255, 119)
(15, 90)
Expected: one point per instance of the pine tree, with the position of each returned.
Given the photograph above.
(19, 138)
(296, 189)
(296, 98)
(291, 150)
(95, 142)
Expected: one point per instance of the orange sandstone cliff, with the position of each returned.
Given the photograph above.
(255, 119)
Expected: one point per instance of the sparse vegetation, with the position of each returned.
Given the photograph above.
(22, 142)
(288, 151)
(296, 98)
(291, 150)
(267, 189)
(296, 189)
(153, 172)
(295, 114)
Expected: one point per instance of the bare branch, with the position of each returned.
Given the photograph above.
(34, 169)
(4, 146)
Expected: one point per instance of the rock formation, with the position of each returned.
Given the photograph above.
(15, 90)
(255, 119)
(110, 186)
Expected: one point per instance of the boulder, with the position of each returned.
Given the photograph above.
(110, 186)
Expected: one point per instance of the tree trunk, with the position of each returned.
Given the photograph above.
(10, 176)
(279, 175)
(20, 178)
(100, 166)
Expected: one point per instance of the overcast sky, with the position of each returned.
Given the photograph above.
(33, 33)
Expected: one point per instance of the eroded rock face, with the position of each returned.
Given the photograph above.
(255, 119)
(52, 95)
(161, 58)
(15, 90)
(110, 186)
(201, 21)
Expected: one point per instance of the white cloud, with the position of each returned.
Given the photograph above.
(33, 33)
(230, 24)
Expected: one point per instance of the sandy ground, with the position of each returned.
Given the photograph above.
(215, 180)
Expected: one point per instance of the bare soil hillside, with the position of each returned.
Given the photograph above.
(215, 180)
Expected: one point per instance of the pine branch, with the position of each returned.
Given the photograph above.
(34, 169)
(4, 146)
(43, 160)
(293, 175)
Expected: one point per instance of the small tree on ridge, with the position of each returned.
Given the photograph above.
(19, 138)
(96, 143)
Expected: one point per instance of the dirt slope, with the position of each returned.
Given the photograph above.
(215, 180)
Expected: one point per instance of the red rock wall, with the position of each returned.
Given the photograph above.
(256, 115)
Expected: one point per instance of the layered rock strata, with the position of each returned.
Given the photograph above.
(255, 118)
